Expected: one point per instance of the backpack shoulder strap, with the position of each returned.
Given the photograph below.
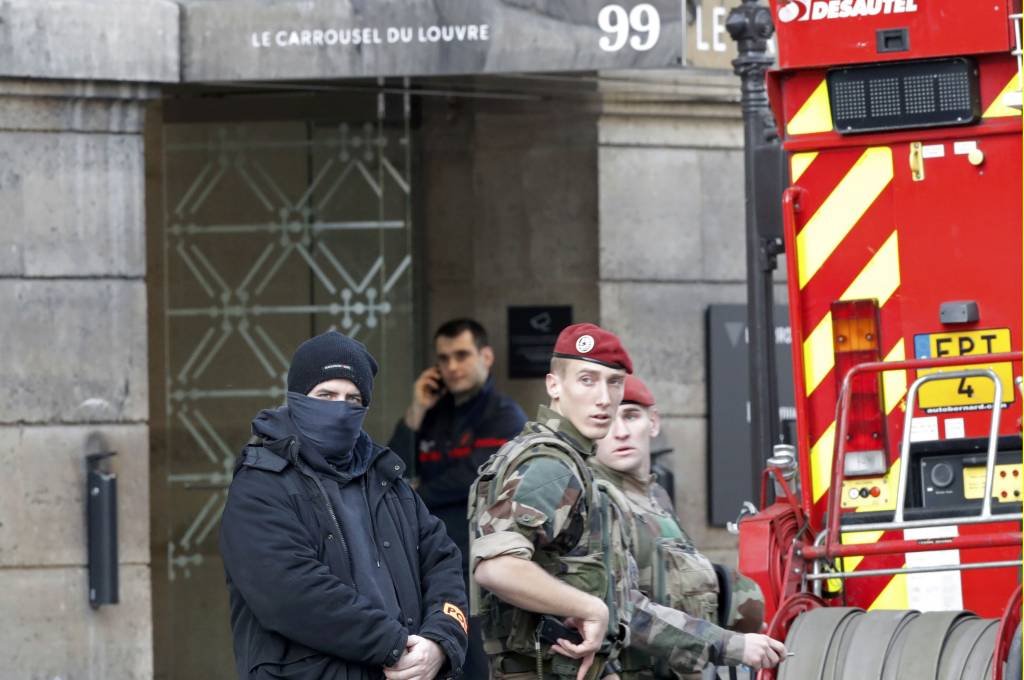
(513, 453)
(621, 505)
(524, 448)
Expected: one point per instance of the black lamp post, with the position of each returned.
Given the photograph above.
(750, 25)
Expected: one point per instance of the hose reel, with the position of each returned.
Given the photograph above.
(847, 643)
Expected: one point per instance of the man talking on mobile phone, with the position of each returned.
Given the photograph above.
(455, 421)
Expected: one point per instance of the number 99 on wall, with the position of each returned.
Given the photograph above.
(639, 26)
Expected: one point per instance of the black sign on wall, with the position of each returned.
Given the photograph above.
(532, 332)
(729, 475)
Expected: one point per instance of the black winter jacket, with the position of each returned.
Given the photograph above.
(295, 609)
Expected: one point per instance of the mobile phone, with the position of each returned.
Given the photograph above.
(551, 630)
(439, 387)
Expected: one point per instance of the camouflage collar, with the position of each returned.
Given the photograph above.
(566, 430)
(627, 483)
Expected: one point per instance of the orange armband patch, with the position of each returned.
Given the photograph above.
(457, 614)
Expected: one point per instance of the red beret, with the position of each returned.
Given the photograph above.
(637, 393)
(592, 343)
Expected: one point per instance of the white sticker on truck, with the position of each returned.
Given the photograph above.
(937, 590)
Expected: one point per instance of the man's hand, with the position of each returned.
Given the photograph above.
(421, 661)
(426, 392)
(593, 629)
(761, 651)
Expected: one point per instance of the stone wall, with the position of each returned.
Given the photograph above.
(74, 362)
(641, 193)
(73, 300)
(671, 217)
(86, 40)
(509, 217)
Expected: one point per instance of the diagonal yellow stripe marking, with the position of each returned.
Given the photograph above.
(998, 107)
(842, 210)
(879, 280)
(819, 354)
(814, 116)
(894, 595)
(880, 277)
(799, 163)
(821, 462)
(894, 383)
(859, 538)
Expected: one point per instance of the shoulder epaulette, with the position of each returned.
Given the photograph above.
(259, 458)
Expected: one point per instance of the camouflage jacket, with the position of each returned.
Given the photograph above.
(541, 509)
(671, 571)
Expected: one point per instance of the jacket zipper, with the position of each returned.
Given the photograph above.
(373, 522)
(334, 517)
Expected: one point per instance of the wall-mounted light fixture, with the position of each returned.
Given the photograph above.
(101, 522)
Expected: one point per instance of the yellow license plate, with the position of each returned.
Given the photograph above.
(963, 394)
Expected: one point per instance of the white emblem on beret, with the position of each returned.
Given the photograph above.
(584, 344)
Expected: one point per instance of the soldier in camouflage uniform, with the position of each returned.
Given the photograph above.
(671, 571)
(546, 540)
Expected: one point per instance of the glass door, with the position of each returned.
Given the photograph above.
(268, 233)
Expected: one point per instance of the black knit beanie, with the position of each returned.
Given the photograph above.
(332, 355)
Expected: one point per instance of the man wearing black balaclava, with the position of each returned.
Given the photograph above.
(335, 569)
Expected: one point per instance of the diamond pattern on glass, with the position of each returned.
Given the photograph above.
(272, 232)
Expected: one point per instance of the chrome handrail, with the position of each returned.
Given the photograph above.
(818, 576)
(898, 522)
(993, 436)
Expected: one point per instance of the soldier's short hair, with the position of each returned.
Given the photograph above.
(558, 365)
(456, 327)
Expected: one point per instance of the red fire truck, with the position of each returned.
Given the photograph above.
(892, 546)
